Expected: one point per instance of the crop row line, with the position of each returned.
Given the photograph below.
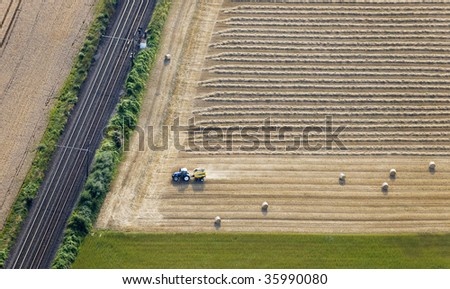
(273, 113)
(328, 74)
(369, 146)
(325, 86)
(332, 81)
(299, 129)
(357, 32)
(296, 131)
(332, 55)
(329, 43)
(318, 119)
(331, 100)
(365, 7)
(326, 99)
(354, 20)
(405, 45)
(319, 138)
(349, 126)
(397, 147)
(336, 24)
(358, 151)
(365, 108)
(385, 122)
(331, 47)
(336, 37)
(322, 60)
(430, 70)
(327, 94)
(293, 131)
(339, 13)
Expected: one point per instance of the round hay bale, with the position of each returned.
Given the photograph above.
(167, 57)
(432, 166)
(385, 186)
(393, 173)
(342, 177)
(217, 220)
(265, 206)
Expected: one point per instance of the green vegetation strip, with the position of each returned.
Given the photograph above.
(67, 97)
(108, 156)
(105, 249)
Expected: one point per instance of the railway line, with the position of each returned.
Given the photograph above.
(42, 231)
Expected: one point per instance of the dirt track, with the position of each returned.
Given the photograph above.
(35, 61)
(235, 71)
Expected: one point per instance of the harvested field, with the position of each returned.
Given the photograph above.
(374, 74)
(35, 58)
(8, 12)
(350, 61)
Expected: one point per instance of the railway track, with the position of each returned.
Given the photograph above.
(42, 231)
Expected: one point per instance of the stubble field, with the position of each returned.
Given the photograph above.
(39, 40)
(379, 70)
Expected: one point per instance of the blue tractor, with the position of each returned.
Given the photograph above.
(181, 175)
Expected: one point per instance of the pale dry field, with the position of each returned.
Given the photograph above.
(381, 70)
(35, 58)
(8, 13)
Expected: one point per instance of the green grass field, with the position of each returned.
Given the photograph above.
(104, 249)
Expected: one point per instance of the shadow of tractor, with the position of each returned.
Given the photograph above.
(197, 186)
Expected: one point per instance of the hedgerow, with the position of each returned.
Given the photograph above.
(59, 114)
(108, 156)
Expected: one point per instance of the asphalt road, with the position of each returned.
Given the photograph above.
(42, 232)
